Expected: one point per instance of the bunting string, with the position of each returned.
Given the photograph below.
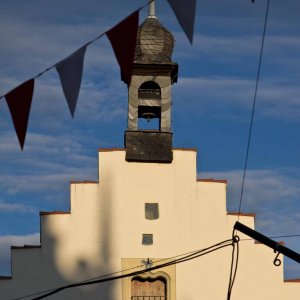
(175, 6)
(123, 41)
(85, 45)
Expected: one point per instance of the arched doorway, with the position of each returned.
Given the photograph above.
(148, 288)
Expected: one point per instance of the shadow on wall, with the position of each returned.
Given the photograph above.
(70, 256)
(91, 263)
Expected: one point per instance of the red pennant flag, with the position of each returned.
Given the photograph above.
(123, 40)
(19, 103)
(185, 13)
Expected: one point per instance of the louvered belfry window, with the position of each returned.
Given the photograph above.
(149, 90)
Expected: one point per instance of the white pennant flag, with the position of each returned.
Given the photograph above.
(70, 74)
(185, 13)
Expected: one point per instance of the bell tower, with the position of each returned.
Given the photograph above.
(149, 137)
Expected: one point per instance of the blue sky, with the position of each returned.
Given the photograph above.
(211, 107)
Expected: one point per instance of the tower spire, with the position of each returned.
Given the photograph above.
(149, 94)
(151, 13)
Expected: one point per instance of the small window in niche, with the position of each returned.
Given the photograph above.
(147, 239)
(151, 211)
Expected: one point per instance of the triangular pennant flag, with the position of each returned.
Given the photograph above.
(19, 103)
(185, 13)
(123, 40)
(70, 74)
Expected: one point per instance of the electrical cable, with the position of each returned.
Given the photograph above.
(185, 256)
(234, 266)
(232, 277)
(253, 107)
(274, 237)
(104, 278)
(130, 274)
(190, 257)
(231, 272)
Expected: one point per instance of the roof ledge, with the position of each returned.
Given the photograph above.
(296, 280)
(123, 149)
(5, 277)
(212, 180)
(26, 247)
(110, 149)
(55, 212)
(84, 182)
(253, 215)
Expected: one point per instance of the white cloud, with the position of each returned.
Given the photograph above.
(43, 184)
(45, 167)
(227, 89)
(18, 184)
(30, 49)
(29, 45)
(230, 46)
(245, 45)
(101, 99)
(45, 146)
(6, 207)
(219, 95)
(262, 188)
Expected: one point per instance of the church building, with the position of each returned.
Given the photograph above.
(146, 212)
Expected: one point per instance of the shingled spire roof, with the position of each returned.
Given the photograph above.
(154, 43)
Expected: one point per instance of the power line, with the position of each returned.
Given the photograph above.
(117, 272)
(178, 259)
(158, 261)
(136, 273)
(253, 106)
(276, 237)
(234, 263)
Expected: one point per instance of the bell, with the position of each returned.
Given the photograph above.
(148, 115)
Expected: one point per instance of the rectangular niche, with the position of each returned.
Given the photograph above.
(147, 239)
(151, 211)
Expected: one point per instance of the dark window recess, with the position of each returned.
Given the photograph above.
(151, 211)
(147, 239)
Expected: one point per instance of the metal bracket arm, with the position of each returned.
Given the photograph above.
(267, 241)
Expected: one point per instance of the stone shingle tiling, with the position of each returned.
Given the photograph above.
(154, 43)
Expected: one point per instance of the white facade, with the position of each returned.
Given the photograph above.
(103, 232)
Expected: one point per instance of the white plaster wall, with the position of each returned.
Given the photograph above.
(106, 223)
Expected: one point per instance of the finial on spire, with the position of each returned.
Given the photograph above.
(151, 9)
